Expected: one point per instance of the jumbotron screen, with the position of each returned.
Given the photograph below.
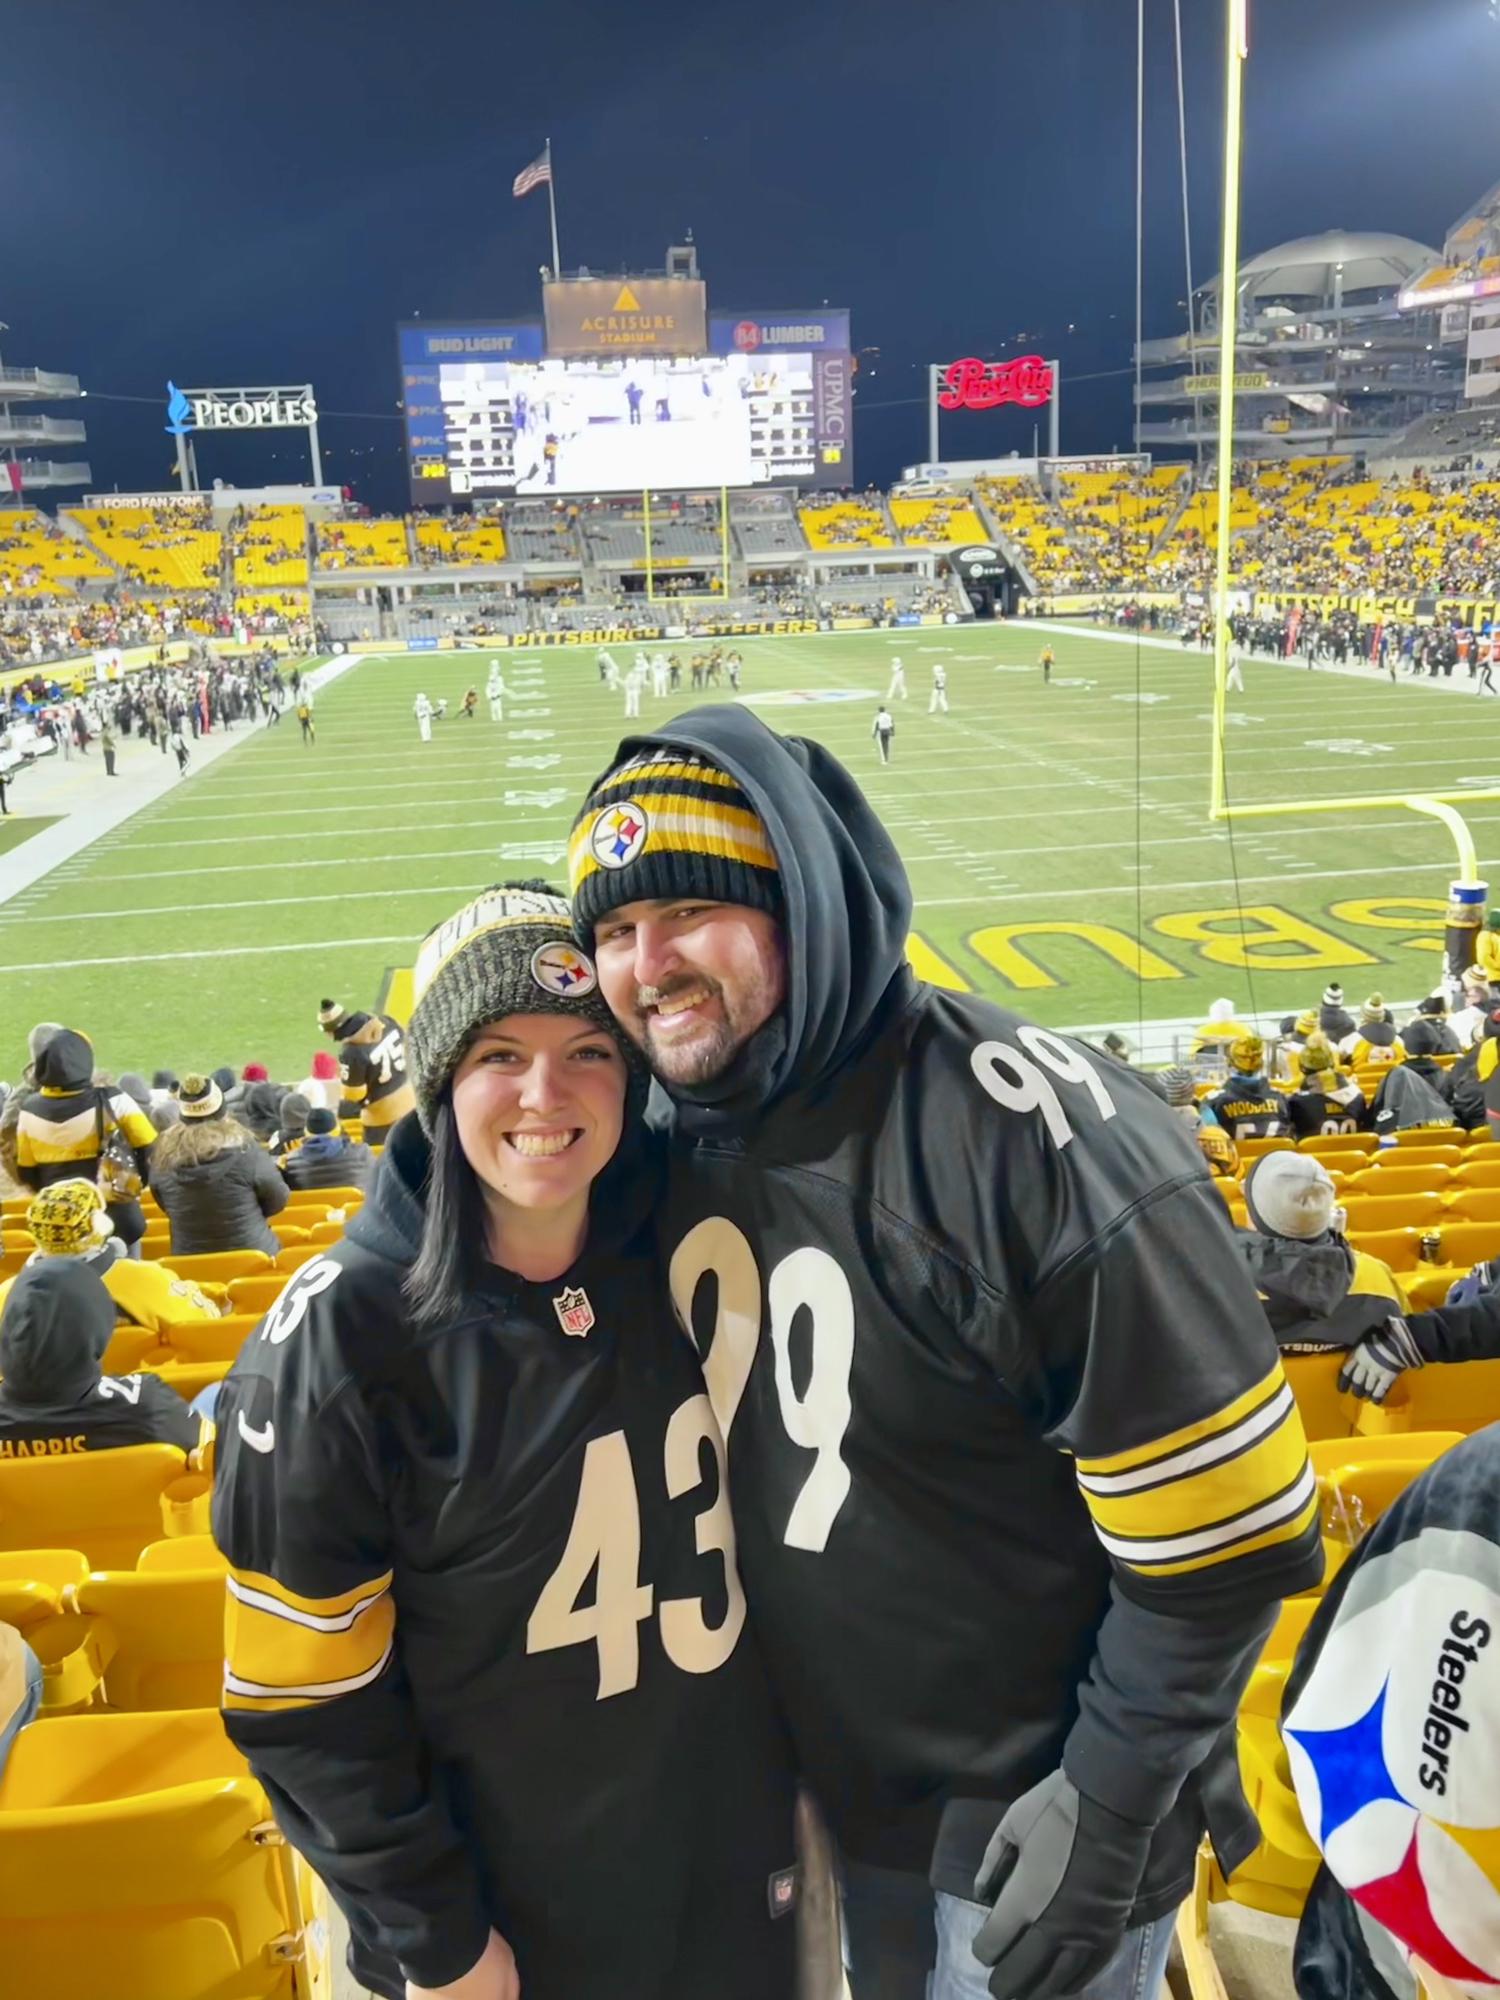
(486, 419)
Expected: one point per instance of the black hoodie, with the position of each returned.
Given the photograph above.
(61, 1122)
(997, 1283)
(485, 1644)
(54, 1399)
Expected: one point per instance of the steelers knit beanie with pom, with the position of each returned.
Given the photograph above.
(1290, 1194)
(1372, 1013)
(668, 823)
(68, 1218)
(200, 1097)
(1316, 1056)
(509, 951)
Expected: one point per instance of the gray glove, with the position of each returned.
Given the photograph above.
(1375, 1366)
(1064, 1873)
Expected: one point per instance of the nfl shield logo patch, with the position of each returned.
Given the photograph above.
(574, 1313)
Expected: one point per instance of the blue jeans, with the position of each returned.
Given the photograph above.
(1134, 1973)
(31, 1701)
(899, 1946)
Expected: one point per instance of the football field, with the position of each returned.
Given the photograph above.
(1057, 836)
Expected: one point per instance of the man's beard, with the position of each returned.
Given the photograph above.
(715, 1044)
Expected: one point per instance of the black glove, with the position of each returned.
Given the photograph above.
(1381, 1358)
(1064, 1873)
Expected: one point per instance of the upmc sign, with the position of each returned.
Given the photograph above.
(979, 385)
(587, 316)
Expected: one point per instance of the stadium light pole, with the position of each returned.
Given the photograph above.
(1238, 39)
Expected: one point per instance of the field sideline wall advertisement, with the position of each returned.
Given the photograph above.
(491, 413)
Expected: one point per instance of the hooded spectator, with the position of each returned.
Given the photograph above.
(54, 1398)
(10, 1112)
(1416, 1092)
(1435, 1009)
(1317, 1291)
(69, 1125)
(1247, 1107)
(260, 1110)
(291, 1125)
(326, 1159)
(1334, 1017)
(164, 1111)
(215, 1184)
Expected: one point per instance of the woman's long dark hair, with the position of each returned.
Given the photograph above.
(454, 1256)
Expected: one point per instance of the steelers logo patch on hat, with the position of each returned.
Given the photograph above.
(619, 834)
(563, 970)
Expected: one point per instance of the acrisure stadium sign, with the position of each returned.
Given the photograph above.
(189, 410)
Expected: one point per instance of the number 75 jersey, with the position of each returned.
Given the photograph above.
(981, 1348)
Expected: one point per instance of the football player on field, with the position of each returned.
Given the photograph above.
(372, 1068)
(1018, 1480)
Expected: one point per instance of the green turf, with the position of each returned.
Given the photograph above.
(15, 828)
(207, 928)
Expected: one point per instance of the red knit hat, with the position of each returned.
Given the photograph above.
(255, 1073)
(325, 1066)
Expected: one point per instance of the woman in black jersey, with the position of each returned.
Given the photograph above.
(486, 1637)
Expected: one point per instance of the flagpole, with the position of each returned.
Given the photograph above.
(552, 211)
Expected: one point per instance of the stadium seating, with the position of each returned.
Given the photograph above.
(39, 560)
(169, 548)
(107, 1504)
(137, 1852)
(845, 524)
(363, 545)
(938, 523)
(462, 538)
(270, 554)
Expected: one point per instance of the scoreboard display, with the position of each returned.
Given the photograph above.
(489, 414)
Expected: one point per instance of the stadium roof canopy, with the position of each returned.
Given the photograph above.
(1314, 267)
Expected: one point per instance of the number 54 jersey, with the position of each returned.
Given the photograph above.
(1016, 1474)
(485, 1634)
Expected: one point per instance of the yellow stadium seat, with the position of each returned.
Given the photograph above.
(190, 1378)
(222, 1266)
(152, 1640)
(107, 1503)
(1466, 1244)
(1462, 1396)
(256, 1294)
(1314, 1382)
(1339, 1142)
(139, 1861)
(1397, 1211)
(180, 1552)
(1476, 1170)
(1399, 1180)
(326, 1232)
(297, 1254)
(1430, 1286)
(33, 1583)
(1358, 1478)
(1475, 1204)
(1423, 1156)
(128, 1347)
(1252, 1149)
(287, 1233)
(1425, 1140)
(203, 1340)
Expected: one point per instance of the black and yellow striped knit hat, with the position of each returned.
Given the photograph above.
(668, 823)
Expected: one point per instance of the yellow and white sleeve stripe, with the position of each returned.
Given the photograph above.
(285, 1651)
(1225, 1487)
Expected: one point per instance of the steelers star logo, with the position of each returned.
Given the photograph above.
(619, 834)
(562, 970)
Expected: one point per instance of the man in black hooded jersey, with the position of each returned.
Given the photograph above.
(1017, 1477)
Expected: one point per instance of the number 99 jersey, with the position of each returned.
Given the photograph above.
(486, 1639)
(986, 1365)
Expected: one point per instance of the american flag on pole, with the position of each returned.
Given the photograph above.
(538, 174)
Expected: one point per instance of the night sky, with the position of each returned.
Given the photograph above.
(227, 193)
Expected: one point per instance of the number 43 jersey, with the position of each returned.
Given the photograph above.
(1016, 1474)
(485, 1632)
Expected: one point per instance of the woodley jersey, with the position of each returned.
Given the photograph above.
(372, 1076)
(988, 1367)
(1250, 1114)
(485, 1629)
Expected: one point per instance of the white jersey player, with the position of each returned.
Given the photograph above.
(939, 699)
(609, 673)
(659, 672)
(635, 680)
(897, 689)
(495, 691)
(421, 708)
(1234, 678)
